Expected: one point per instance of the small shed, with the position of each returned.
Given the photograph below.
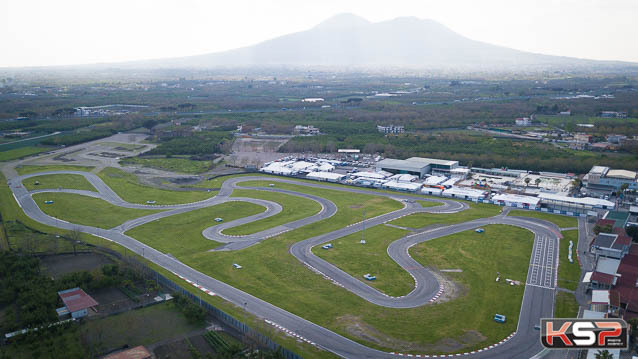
(76, 302)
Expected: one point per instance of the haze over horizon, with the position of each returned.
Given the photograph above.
(40, 33)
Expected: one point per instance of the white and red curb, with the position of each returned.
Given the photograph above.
(203, 289)
(290, 332)
(457, 354)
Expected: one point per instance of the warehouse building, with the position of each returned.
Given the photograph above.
(603, 180)
(417, 166)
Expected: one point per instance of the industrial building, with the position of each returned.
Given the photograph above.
(417, 166)
(604, 180)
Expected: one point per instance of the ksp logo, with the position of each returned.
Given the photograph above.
(584, 333)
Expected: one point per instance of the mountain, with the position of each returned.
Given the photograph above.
(347, 40)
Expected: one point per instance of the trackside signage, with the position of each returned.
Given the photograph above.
(584, 333)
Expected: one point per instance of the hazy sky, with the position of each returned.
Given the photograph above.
(59, 32)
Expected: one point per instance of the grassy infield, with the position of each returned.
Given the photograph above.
(283, 281)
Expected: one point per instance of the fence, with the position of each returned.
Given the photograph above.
(220, 315)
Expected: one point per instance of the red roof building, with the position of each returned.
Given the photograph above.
(626, 285)
(77, 302)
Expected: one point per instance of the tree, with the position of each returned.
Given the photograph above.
(148, 124)
(74, 235)
(527, 181)
(604, 354)
(537, 181)
(632, 231)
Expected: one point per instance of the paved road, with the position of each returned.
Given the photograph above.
(537, 299)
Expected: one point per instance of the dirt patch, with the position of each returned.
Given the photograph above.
(61, 264)
(174, 350)
(356, 327)
(451, 289)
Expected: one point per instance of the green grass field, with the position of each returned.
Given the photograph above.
(21, 152)
(88, 211)
(12, 212)
(358, 259)
(28, 169)
(565, 306)
(294, 208)
(480, 256)
(568, 273)
(420, 220)
(181, 235)
(426, 204)
(174, 164)
(127, 186)
(58, 181)
(560, 221)
(273, 275)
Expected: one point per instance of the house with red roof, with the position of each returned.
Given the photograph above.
(76, 302)
(627, 284)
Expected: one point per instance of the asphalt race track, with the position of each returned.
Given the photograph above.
(538, 298)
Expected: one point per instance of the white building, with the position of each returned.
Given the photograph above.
(515, 200)
(371, 175)
(325, 176)
(278, 168)
(465, 193)
(431, 191)
(523, 121)
(402, 186)
(403, 178)
(434, 180)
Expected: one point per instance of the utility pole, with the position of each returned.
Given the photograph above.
(363, 223)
